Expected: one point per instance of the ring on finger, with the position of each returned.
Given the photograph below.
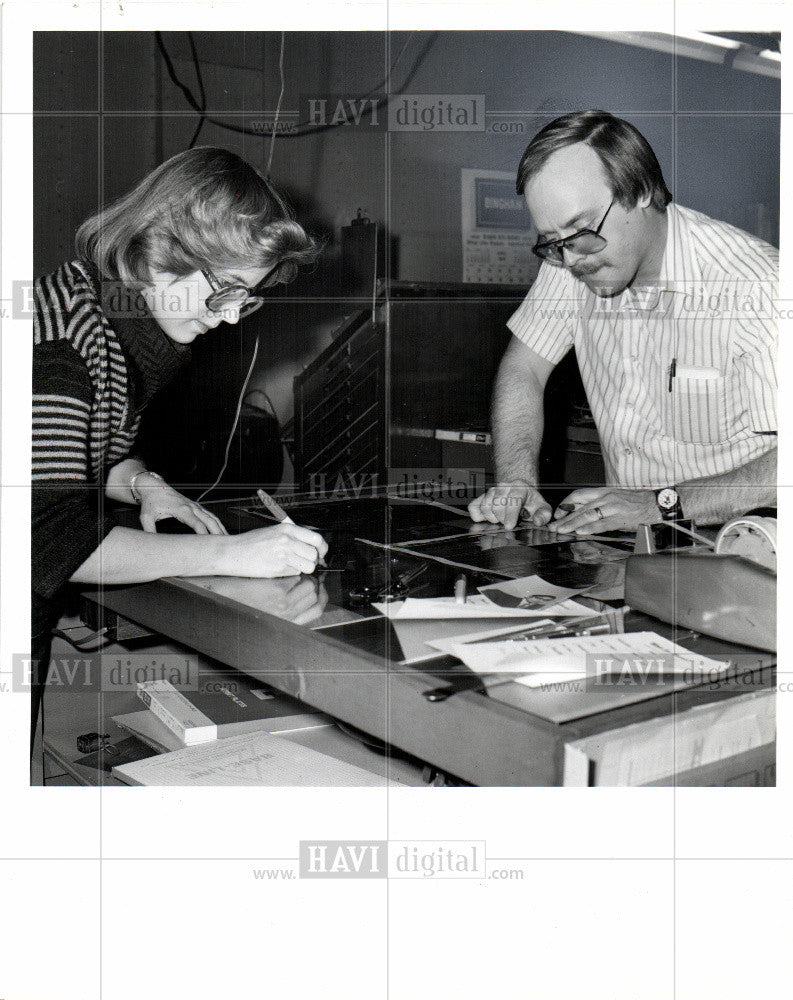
(599, 512)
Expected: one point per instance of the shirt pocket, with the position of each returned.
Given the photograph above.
(698, 404)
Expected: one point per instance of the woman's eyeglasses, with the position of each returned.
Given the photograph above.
(585, 241)
(235, 296)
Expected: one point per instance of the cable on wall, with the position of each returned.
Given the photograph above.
(306, 130)
(202, 97)
(278, 106)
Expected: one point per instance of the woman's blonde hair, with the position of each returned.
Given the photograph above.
(205, 208)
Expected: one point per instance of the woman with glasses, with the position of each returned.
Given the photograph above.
(186, 249)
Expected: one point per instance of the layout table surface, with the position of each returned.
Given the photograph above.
(320, 639)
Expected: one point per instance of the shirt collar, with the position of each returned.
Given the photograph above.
(679, 268)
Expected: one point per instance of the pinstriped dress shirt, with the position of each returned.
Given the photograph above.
(680, 376)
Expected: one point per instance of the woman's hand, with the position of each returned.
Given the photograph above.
(283, 550)
(159, 501)
(299, 599)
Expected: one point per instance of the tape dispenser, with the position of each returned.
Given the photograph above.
(728, 593)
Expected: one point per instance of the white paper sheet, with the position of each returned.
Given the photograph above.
(448, 644)
(253, 759)
(422, 639)
(557, 660)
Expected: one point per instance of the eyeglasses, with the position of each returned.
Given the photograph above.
(585, 241)
(235, 296)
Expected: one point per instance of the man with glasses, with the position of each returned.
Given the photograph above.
(670, 315)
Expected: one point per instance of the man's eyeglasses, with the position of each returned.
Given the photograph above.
(234, 296)
(585, 241)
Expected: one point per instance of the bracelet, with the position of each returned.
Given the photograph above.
(132, 487)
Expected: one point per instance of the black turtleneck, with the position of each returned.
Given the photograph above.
(153, 359)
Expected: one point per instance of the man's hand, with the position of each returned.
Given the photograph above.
(159, 501)
(603, 509)
(487, 539)
(505, 504)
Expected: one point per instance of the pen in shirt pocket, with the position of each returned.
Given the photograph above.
(672, 372)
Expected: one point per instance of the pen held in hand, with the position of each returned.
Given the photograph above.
(279, 514)
(275, 509)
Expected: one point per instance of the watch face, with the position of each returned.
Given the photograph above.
(667, 499)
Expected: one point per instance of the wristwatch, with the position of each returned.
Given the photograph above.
(668, 500)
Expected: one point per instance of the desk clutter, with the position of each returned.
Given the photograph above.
(231, 730)
(221, 727)
(480, 651)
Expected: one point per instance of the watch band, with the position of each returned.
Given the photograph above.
(132, 483)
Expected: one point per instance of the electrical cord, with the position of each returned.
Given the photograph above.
(274, 415)
(234, 425)
(261, 392)
(310, 130)
(203, 96)
(383, 85)
(278, 106)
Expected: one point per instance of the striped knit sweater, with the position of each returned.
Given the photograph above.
(90, 381)
(76, 436)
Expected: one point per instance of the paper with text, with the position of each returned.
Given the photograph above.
(542, 661)
(251, 759)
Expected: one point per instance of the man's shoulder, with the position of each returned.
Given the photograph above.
(723, 250)
(552, 284)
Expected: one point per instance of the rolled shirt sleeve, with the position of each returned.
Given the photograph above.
(546, 320)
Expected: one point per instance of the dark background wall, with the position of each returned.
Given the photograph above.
(714, 129)
(107, 113)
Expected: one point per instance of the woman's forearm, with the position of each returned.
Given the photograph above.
(130, 556)
(117, 483)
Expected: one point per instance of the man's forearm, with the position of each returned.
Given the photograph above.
(718, 498)
(517, 425)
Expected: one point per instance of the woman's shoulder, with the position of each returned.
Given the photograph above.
(67, 305)
(73, 277)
